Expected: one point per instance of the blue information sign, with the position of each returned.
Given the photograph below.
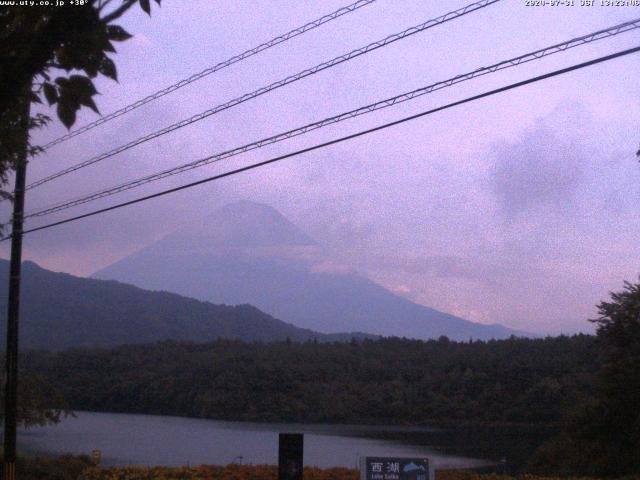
(395, 468)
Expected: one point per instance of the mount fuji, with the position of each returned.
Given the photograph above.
(248, 253)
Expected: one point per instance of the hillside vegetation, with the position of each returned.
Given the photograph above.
(399, 381)
(60, 311)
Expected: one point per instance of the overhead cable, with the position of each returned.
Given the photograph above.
(273, 86)
(208, 71)
(519, 60)
(341, 139)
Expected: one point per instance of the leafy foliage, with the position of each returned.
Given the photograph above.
(39, 402)
(398, 381)
(603, 438)
(53, 54)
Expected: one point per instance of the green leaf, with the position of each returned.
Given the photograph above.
(107, 46)
(50, 93)
(67, 113)
(117, 33)
(73, 92)
(34, 98)
(81, 86)
(108, 69)
(91, 65)
(39, 120)
(144, 4)
(88, 102)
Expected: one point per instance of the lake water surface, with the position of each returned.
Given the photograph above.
(157, 440)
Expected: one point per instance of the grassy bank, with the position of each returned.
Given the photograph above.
(66, 467)
(81, 468)
(269, 472)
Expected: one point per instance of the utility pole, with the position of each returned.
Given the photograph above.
(11, 362)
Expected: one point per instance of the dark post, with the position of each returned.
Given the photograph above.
(290, 452)
(11, 362)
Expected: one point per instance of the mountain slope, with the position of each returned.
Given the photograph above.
(249, 253)
(61, 311)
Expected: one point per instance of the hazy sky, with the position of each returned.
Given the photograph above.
(520, 208)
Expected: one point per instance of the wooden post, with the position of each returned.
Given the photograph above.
(13, 313)
(290, 456)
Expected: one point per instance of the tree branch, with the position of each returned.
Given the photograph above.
(103, 4)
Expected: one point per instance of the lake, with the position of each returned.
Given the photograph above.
(150, 440)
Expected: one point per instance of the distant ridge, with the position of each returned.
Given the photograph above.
(247, 252)
(60, 311)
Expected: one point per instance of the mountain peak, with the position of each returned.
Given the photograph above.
(247, 223)
(248, 207)
(239, 224)
(247, 252)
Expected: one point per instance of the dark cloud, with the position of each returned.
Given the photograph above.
(542, 169)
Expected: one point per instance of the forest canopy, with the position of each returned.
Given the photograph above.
(400, 381)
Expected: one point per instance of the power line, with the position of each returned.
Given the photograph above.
(341, 139)
(261, 91)
(538, 54)
(208, 71)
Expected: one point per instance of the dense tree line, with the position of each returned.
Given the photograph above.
(516, 381)
(602, 436)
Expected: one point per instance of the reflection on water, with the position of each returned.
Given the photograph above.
(157, 440)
